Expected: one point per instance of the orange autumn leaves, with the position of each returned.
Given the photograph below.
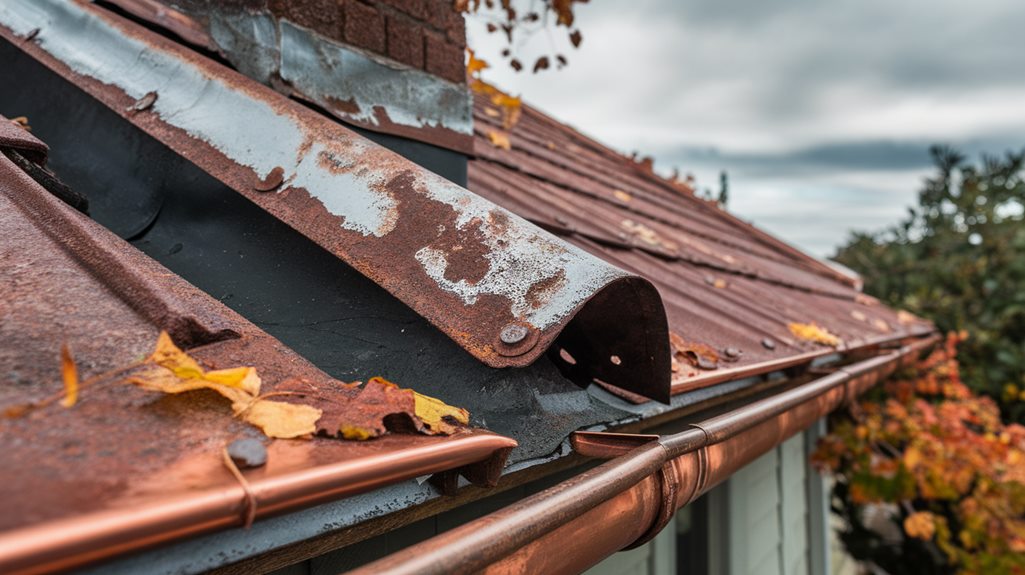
(348, 411)
(955, 472)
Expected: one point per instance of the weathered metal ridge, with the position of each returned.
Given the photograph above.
(637, 493)
(361, 88)
(126, 468)
(500, 287)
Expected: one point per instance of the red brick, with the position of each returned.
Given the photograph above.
(406, 42)
(322, 16)
(415, 8)
(455, 29)
(438, 12)
(444, 59)
(364, 26)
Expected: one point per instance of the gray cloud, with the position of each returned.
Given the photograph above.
(825, 109)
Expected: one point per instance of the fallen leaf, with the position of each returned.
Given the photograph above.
(905, 317)
(698, 355)
(381, 406)
(858, 315)
(282, 420)
(169, 356)
(881, 325)
(436, 414)
(499, 140)
(69, 374)
(814, 333)
(622, 196)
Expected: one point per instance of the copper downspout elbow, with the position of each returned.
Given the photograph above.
(633, 496)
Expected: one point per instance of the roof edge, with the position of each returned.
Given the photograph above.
(499, 286)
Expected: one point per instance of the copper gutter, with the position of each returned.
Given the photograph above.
(639, 491)
(75, 541)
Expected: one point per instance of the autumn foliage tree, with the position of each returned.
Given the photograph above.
(927, 478)
(958, 258)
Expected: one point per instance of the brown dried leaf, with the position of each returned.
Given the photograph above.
(69, 374)
(698, 355)
(381, 406)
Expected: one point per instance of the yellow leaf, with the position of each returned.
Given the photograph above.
(170, 356)
(499, 140)
(162, 379)
(433, 413)
(814, 333)
(243, 378)
(622, 196)
(858, 315)
(920, 525)
(283, 420)
(69, 373)
(356, 432)
(474, 65)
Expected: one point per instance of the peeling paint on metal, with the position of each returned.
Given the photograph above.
(251, 39)
(463, 263)
(327, 71)
(519, 258)
(246, 130)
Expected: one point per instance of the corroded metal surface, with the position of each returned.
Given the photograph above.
(466, 265)
(126, 468)
(730, 290)
(363, 89)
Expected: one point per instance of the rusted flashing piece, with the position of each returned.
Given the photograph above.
(15, 137)
(631, 495)
(363, 89)
(124, 469)
(467, 266)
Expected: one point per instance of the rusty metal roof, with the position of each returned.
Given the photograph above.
(126, 467)
(730, 290)
(476, 271)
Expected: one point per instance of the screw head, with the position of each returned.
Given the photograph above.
(732, 352)
(513, 333)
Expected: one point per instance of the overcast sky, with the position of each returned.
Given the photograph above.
(821, 112)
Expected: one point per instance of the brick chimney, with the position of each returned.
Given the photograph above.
(392, 69)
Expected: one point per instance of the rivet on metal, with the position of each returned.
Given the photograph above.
(768, 344)
(513, 333)
(732, 352)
